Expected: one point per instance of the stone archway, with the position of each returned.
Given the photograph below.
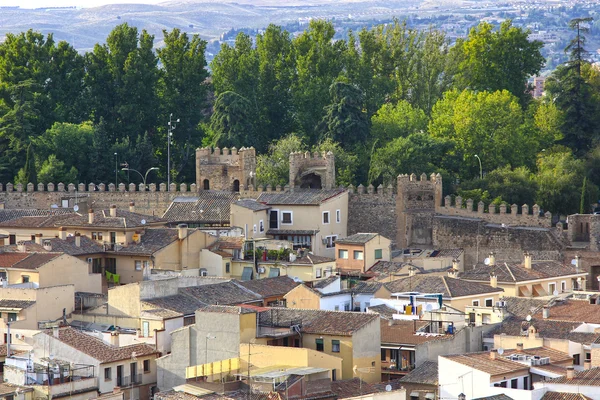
(236, 185)
(310, 181)
(206, 184)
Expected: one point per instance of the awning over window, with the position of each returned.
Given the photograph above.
(273, 272)
(247, 274)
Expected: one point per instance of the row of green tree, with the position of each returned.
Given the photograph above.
(386, 100)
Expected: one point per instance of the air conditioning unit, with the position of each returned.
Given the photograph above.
(261, 270)
(324, 240)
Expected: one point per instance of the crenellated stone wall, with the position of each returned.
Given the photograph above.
(316, 170)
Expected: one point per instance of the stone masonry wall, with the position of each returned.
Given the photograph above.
(372, 213)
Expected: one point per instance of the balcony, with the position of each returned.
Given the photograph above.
(126, 381)
(82, 385)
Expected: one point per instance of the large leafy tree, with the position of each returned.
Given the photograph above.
(500, 59)
(397, 120)
(185, 93)
(273, 168)
(232, 120)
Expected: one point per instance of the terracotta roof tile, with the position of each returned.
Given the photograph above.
(323, 283)
(178, 303)
(449, 287)
(403, 332)
(590, 377)
(16, 304)
(522, 306)
(7, 389)
(10, 259)
(299, 197)
(574, 310)
(10, 214)
(35, 260)
(515, 272)
(208, 207)
(102, 218)
(425, 374)
(269, 287)
(390, 268)
(226, 293)
(357, 238)
(383, 310)
(251, 205)
(152, 241)
(98, 349)
(564, 396)
(546, 328)
(483, 362)
(352, 388)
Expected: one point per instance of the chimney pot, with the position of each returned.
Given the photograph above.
(519, 346)
(113, 211)
(546, 312)
(456, 264)
(527, 263)
(452, 272)
(493, 280)
(182, 229)
(132, 207)
(21, 247)
(47, 245)
(77, 239)
(493, 354)
(55, 332)
(570, 373)
(62, 233)
(38, 238)
(411, 271)
(587, 364)
(492, 258)
(91, 216)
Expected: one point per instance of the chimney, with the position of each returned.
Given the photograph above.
(38, 238)
(113, 211)
(132, 207)
(452, 273)
(55, 331)
(90, 216)
(493, 354)
(21, 247)
(493, 279)
(546, 312)
(492, 258)
(587, 364)
(412, 271)
(47, 245)
(183, 229)
(527, 263)
(77, 239)
(532, 332)
(62, 232)
(456, 264)
(570, 373)
(519, 347)
(138, 236)
(577, 262)
(114, 339)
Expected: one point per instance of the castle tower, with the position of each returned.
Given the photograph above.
(416, 203)
(312, 171)
(226, 169)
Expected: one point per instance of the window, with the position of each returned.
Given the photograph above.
(526, 383)
(346, 306)
(33, 238)
(338, 216)
(319, 343)
(203, 272)
(343, 254)
(261, 226)
(206, 184)
(576, 359)
(24, 278)
(274, 219)
(489, 302)
(227, 268)
(551, 288)
(383, 354)
(336, 308)
(358, 255)
(588, 356)
(146, 366)
(563, 286)
(107, 374)
(475, 303)
(12, 239)
(335, 346)
(138, 265)
(254, 228)
(378, 254)
(334, 374)
(189, 320)
(330, 241)
(325, 217)
(318, 272)
(113, 237)
(3, 275)
(97, 265)
(286, 217)
(12, 316)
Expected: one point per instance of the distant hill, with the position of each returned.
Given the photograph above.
(209, 18)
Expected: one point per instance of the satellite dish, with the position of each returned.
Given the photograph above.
(486, 261)
(528, 318)
(388, 388)
(75, 208)
(428, 307)
(573, 262)
(143, 222)
(500, 351)
(555, 293)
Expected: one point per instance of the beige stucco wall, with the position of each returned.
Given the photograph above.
(66, 270)
(243, 218)
(303, 298)
(125, 300)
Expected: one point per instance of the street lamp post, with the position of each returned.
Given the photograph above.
(170, 130)
(480, 169)
(144, 177)
(116, 170)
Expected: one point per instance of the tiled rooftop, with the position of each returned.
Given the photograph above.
(270, 287)
(323, 283)
(516, 272)
(357, 238)
(7, 389)
(574, 310)
(424, 374)
(403, 332)
(299, 197)
(522, 306)
(67, 246)
(342, 323)
(251, 205)
(10, 214)
(449, 287)
(16, 304)
(34, 260)
(152, 241)
(390, 268)
(226, 293)
(483, 362)
(546, 328)
(590, 377)
(554, 355)
(312, 259)
(564, 396)
(102, 218)
(179, 303)
(208, 207)
(98, 349)
(383, 310)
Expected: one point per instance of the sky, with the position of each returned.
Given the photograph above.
(68, 3)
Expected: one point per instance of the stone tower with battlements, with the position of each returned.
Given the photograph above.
(225, 169)
(312, 171)
(417, 200)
